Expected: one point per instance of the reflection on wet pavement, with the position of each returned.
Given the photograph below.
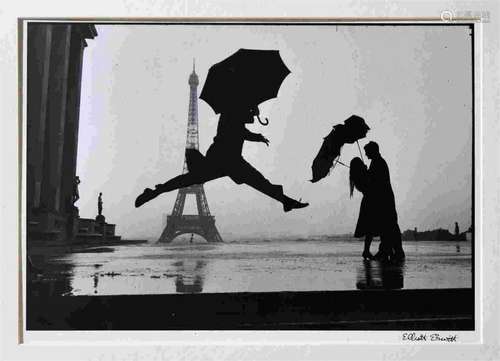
(249, 267)
(380, 275)
(189, 277)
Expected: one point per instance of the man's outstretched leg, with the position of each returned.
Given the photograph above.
(244, 172)
(181, 181)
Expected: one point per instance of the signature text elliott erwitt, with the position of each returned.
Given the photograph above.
(433, 337)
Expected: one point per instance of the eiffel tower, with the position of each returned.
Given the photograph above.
(203, 223)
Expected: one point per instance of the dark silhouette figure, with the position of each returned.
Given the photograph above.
(76, 193)
(358, 178)
(224, 158)
(99, 204)
(457, 230)
(353, 129)
(385, 221)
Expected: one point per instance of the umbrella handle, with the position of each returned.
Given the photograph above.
(360, 153)
(261, 122)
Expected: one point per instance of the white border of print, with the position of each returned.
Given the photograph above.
(292, 337)
(242, 345)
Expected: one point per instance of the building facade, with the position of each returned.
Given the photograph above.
(54, 70)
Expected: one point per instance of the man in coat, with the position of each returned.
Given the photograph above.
(383, 200)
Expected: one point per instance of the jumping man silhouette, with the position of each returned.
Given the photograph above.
(224, 158)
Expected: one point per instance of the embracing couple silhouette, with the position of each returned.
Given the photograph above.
(377, 213)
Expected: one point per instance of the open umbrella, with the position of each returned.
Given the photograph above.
(246, 78)
(353, 129)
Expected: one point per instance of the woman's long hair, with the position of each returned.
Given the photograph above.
(357, 171)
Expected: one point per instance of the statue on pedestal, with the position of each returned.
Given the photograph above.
(100, 218)
(76, 194)
(72, 212)
(99, 204)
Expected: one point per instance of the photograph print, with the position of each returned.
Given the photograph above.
(249, 175)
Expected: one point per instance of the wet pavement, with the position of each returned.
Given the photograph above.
(255, 266)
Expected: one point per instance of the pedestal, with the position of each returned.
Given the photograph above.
(72, 224)
(101, 225)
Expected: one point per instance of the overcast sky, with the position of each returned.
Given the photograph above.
(412, 84)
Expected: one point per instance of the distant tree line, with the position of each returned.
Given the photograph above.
(433, 235)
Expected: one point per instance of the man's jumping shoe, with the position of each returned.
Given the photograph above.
(290, 204)
(146, 196)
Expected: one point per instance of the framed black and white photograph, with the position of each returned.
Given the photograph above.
(194, 182)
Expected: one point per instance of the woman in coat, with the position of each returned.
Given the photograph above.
(358, 178)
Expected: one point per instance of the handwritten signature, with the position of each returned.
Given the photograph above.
(424, 337)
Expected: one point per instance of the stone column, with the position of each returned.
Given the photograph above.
(72, 117)
(38, 57)
(56, 113)
(71, 129)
